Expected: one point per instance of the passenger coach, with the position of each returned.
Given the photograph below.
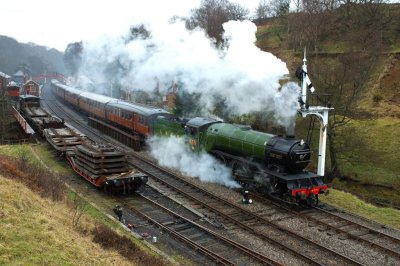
(135, 118)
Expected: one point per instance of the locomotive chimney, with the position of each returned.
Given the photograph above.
(290, 130)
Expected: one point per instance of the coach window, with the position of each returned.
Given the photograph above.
(142, 120)
(125, 114)
(128, 115)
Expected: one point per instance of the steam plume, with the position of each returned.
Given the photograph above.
(173, 152)
(243, 76)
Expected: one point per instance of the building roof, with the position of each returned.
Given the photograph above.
(3, 75)
(31, 81)
(19, 73)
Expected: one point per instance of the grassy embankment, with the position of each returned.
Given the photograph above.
(40, 225)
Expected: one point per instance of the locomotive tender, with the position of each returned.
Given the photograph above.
(273, 164)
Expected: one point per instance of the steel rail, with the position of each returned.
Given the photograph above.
(241, 209)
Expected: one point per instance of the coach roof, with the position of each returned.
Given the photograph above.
(96, 97)
(137, 108)
(66, 87)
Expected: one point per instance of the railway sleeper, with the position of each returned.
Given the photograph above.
(370, 237)
(181, 227)
(206, 242)
(282, 218)
(361, 233)
(355, 232)
(168, 223)
(322, 228)
(339, 224)
(253, 223)
(331, 232)
(346, 227)
(197, 237)
(343, 236)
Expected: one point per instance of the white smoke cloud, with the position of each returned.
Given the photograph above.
(245, 77)
(241, 74)
(174, 152)
(287, 98)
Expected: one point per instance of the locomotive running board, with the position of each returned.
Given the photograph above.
(287, 177)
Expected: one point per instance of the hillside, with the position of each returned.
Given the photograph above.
(44, 223)
(356, 59)
(38, 58)
(36, 231)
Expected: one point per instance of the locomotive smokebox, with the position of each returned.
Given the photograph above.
(291, 154)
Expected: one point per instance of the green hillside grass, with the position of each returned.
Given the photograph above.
(376, 161)
(36, 231)
(349, 202)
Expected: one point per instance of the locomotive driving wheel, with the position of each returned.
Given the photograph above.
(312, 200)
(242, 173)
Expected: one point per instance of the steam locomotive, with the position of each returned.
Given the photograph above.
(269, 163)
(273, 164)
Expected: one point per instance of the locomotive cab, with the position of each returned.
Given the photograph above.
(195, 132)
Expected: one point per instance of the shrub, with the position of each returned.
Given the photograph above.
(377, 98)
(108, 239)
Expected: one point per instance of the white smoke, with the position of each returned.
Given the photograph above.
(174, 152)
(243, 76)
(287, 97)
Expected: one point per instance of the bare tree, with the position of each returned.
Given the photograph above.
(366, 20)
(72, 57)
(297, 4)
(263, 10)
(212, 14)
(345, 80)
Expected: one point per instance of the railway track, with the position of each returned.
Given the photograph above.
(386, 243)
(334, 224)
(182, 225)
(225, 251)
(237, 216)
(258, 224)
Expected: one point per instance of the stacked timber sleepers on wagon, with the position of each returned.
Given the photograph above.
(36, 111)
(37, 115)
(100, 159)
(48, 122)
(105, 166)
(63, 139)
